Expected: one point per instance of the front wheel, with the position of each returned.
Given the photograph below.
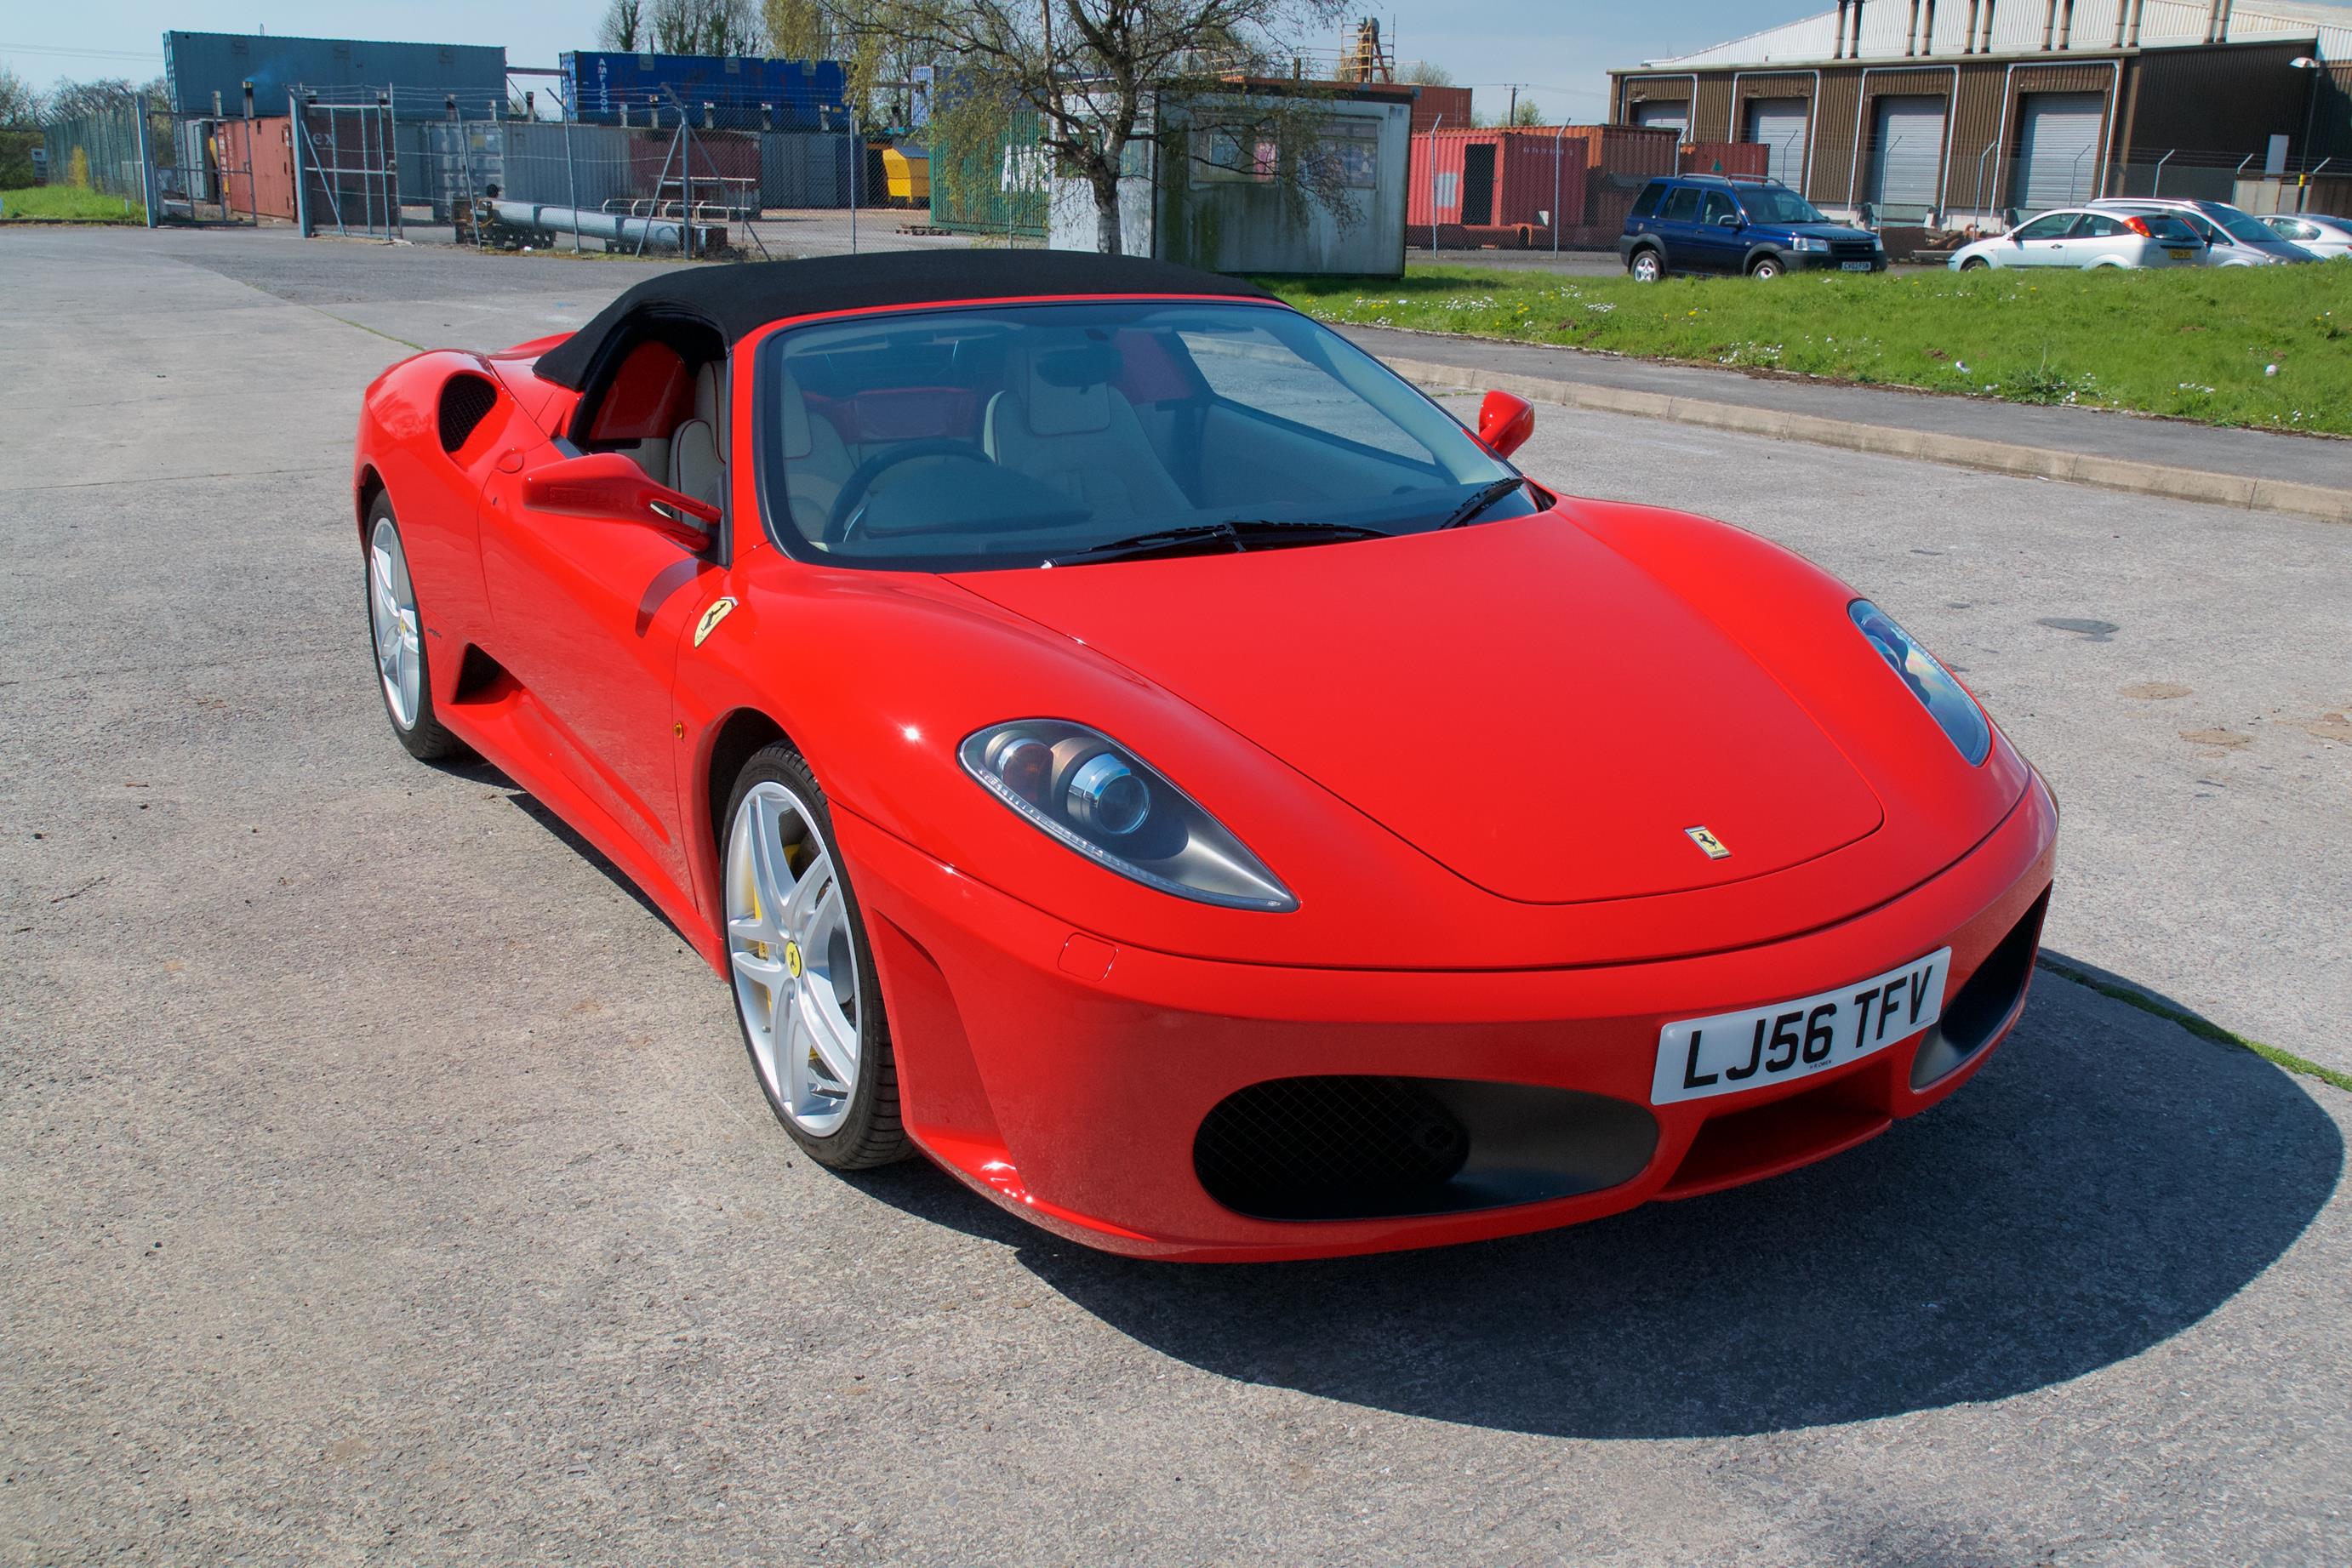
(1767, 266)
(397, 633)
(1646, 268)
(1975, 264)
(806, 992)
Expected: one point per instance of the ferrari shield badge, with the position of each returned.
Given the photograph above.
(711, 619)
(1703, 837)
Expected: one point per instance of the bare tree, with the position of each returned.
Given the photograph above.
(1095, 72)
(20, 100)
(70, 99)
(798, 30)
(705, 27)
(1423, 73)
(624, 26)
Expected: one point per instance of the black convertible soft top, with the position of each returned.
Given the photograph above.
(737, 300)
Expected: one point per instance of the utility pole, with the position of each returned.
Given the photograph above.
(1512, 118)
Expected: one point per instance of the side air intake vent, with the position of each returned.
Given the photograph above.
(466, 401)
(1350, 1147)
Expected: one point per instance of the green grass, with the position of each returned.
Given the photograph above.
(70, 204)
(2193, 343)
(2203, 1029)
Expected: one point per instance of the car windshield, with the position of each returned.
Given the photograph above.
(1012, 436)
(2240, 225)
(1775, 205)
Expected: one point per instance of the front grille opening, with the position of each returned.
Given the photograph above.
(1744, 1146)
(466, 401)
(1357, 1146)
(1985, 1005)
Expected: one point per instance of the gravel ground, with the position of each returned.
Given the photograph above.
(383, 1182)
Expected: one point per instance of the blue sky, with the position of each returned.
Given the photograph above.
(1558, 50)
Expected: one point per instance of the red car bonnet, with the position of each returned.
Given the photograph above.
(1517, 699)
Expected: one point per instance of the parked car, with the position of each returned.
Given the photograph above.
(1706, 223)
(990, 663)
(2080, 238)
(2321, 236)
(2233, 236)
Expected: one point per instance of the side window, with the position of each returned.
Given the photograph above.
(2294, 228)
(1647, 207)
(1682, 207)
(2054, 226)
(1719, 211)
(2098, 226)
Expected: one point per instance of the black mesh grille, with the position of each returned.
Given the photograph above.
(1320, 1148)
(1852, 249)
(466, 401)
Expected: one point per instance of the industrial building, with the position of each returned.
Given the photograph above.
(1961, 111)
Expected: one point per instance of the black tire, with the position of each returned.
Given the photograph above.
(870, 1133)
(424, 736)
(1975, 264)
(1646, 266)
(1767, 267)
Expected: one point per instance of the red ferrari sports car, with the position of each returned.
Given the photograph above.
(1119, 741)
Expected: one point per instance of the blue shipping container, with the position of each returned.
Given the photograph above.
(422, 76)
(794, 95)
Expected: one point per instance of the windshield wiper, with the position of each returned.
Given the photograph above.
(1485, 498)
(1232, 534)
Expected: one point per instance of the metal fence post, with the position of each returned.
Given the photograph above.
(1556, 133)
(147, 189)
(571, 183)
(391, 130)
(252, 159)
(857, 168)
(2159, 172)
(1434, 127)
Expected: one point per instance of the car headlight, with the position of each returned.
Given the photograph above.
(1102, 801)
(1933, 685)
(1807, 242)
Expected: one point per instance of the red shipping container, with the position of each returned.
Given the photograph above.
(1450, 104)
(1496, 178)
(269, 188)
(1746, 160)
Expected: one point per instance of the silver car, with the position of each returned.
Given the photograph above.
(2082, 237)
(2233, 236)
(2321, 236)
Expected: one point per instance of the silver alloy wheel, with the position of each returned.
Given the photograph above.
(1646, 268)
(793, 955)
(391, 614)
(1768, 268)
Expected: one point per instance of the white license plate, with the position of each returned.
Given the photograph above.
(1853, 266)
(1700, 1058)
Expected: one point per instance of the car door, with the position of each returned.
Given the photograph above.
(589, 615)
(2101, 237)
(2043, 242)
(1678, 225)
(1719, 244)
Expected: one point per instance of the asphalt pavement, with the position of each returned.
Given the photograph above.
(383, 1181)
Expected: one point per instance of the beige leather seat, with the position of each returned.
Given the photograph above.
(816, 464)
(697, 447)
(1083, 440)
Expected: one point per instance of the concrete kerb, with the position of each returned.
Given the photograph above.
(1961, 451)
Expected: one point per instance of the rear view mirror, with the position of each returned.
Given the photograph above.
(610, 487)
(1504, 423)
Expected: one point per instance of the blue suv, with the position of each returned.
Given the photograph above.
(1705, 223)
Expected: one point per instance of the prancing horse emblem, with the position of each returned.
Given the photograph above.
(711, 619)
(1705, 840)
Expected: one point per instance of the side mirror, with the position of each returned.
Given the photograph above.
(1504, 423)
(610, 487)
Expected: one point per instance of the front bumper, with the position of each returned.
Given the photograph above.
(1068, 1078)
(1822, 261)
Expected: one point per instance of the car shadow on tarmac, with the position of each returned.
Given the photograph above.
(2104, 1183)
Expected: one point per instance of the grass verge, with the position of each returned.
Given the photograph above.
(2203, 1029)
(69, 203)
(2268, 347)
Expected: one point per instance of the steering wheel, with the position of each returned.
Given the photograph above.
(849, 507)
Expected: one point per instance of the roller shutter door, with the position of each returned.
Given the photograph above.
(2058, 150)
(1779, 124)
(1907, 155)
(1675, 116)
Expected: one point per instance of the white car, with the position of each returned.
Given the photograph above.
(2321, 236)
(2233, 236)
(2078, 237)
